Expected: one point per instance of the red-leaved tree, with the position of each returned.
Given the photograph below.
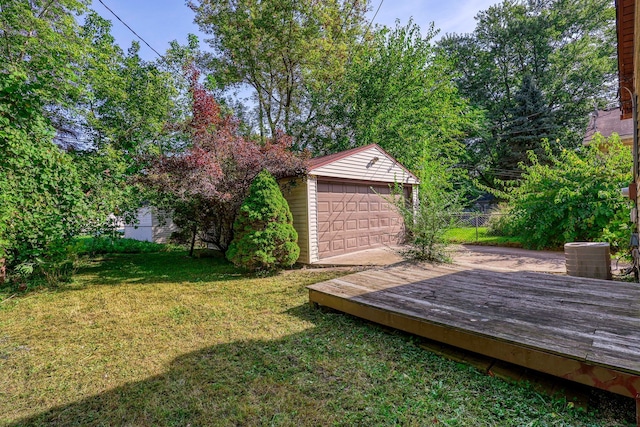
(207, 183)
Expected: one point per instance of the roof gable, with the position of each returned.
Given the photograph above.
(607, 122)
(368, 163)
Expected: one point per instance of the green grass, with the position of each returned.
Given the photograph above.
(468, 235)
(165, 340)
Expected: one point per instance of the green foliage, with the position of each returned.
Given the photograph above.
(397, 92)
(567, 47)
(264, 237)
(576, 197)
(42, 41)
(130, 100)
(67, 85)
(117, 245)
(42, 199)
(281, 49)
(426, 224)
(530, 122)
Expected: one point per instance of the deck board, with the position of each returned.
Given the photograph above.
(583, 327)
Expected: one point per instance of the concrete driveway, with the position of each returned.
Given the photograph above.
(489, 257)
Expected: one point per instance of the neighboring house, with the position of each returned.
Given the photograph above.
(343, 205)
(607, 122)
(152, 226)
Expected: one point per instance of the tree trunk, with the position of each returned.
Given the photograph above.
(193, 240)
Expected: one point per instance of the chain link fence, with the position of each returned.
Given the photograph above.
(476, 220)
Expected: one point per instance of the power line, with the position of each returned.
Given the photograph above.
(374, 16)
(131, 29)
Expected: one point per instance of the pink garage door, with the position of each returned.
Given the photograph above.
(353, 217)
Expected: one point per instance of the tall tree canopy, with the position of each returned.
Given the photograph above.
(397, 91)
(74, 112)
(567, 48)
(281, 49)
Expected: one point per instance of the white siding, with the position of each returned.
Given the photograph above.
(312, 197)
(362, 166)
(295, 192)
(163, 226)
(138, 233)
(152, 226)
(143, 229)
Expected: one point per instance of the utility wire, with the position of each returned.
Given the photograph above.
(374, 16)
(131, 29)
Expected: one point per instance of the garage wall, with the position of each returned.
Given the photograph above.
(152, 226)
(363, 166)
(143, 230)
(162, 226)
(295, 192)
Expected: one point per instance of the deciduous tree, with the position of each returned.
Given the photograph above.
(212, 177)
(566, 46)
(575, 196)
(397, 92)
(281, 49)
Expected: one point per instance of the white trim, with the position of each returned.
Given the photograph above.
(312, 206)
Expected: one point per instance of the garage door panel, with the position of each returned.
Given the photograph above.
(324, 187)
(323, 207)
(354, 217)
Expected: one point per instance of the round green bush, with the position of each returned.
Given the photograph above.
(264, 237)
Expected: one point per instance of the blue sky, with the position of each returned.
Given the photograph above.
(160, 21)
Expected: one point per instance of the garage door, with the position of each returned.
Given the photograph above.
(353, 217)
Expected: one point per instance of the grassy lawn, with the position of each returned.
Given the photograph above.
(161, 339)
(462, 235)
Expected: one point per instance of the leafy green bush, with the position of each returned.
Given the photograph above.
(498, 221)
(41, 199)
(118, 245)
(426, 224)
(264, 237)
(575, 197)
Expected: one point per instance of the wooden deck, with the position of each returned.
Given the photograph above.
(584, 330)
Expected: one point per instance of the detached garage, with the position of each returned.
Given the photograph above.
(342, 206)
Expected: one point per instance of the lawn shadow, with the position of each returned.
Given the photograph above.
(340, 370)
(164, 267)
(254, 382)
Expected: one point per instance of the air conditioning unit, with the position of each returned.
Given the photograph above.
(588, 259)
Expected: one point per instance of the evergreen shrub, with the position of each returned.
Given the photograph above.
(264, 237)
